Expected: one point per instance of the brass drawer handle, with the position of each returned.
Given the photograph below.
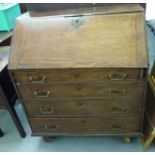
(51, 128)
(42, 93)
(117, 76)
(34, 80)
(117, 109)
(117, 91)
(117, 127)
(48, 111)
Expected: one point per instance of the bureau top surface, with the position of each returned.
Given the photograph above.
(102, 37)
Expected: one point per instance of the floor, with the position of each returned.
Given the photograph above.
(12, 141)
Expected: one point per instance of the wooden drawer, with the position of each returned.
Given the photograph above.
(75, 75)
(86, 125)
(83, 108)
(91, 90)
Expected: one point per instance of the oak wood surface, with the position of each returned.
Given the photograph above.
(83, 108)
(76, 75)
(75, 72)
(85, 125)
(85, 90)
(95, 41)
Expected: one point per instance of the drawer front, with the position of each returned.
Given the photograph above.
(85, 125)
(84, 108)
(96, 89)
(75, 75)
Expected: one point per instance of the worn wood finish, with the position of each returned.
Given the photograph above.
(76, 75)
(82, 74)
(86, 125)
(85, 90)
(83, 108)
(78, 42)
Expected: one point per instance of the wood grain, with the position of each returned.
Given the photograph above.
(84, 107)
(101, 41)
(84, 90)
(82, 73)
(85, 125)
(76, 75)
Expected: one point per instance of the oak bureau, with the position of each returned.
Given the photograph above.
(82, 72)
